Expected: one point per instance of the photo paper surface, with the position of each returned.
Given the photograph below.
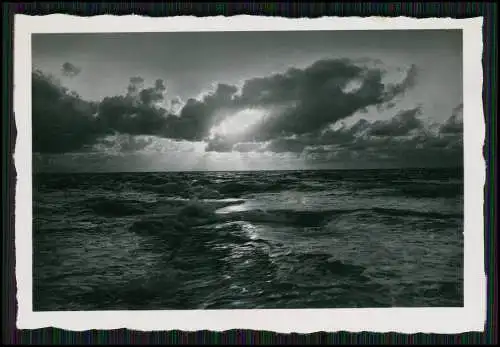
(288, 175)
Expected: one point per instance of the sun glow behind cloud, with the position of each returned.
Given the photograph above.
(240, 124)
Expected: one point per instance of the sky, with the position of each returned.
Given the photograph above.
(247, 100)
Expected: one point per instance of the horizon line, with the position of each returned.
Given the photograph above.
(263, 170)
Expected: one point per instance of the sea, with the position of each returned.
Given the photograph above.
(248, 240)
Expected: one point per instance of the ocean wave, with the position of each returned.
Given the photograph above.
(204, 189)
(317, 218)
(237, 189)
(191, 214)
(328, 263)
(108, 207)
(158, 227)
(286, 240)
(284, 217)
(414, 213)
(430, 181)
(169, 188)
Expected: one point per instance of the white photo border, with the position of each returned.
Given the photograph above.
(469, 318)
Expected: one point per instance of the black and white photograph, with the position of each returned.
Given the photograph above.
(247, 170)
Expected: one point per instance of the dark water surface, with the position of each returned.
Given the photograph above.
(305, 239)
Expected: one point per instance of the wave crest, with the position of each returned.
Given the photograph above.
(115, 208)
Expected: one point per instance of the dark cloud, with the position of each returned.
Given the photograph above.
(137, 80)
(137, 112)
(454, 124)
(219, 144)
(390, 105)
(403, 139)
(312, 142)
(286, 145)
(62, 122)
(360, 126)
(245, 147)
(432, 151)
(303, 101)
(197, 117)
(399, 125)
(302, 105)
(408, 82)
(341, 135)
(135, 85)
(299, 101)
(153, 95)
(176, 102)
(418, 147)
(123, 143)
(312, 98)
(70, 70)
(122, 115)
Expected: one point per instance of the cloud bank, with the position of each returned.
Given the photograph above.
(300, 111)
(70, 70)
